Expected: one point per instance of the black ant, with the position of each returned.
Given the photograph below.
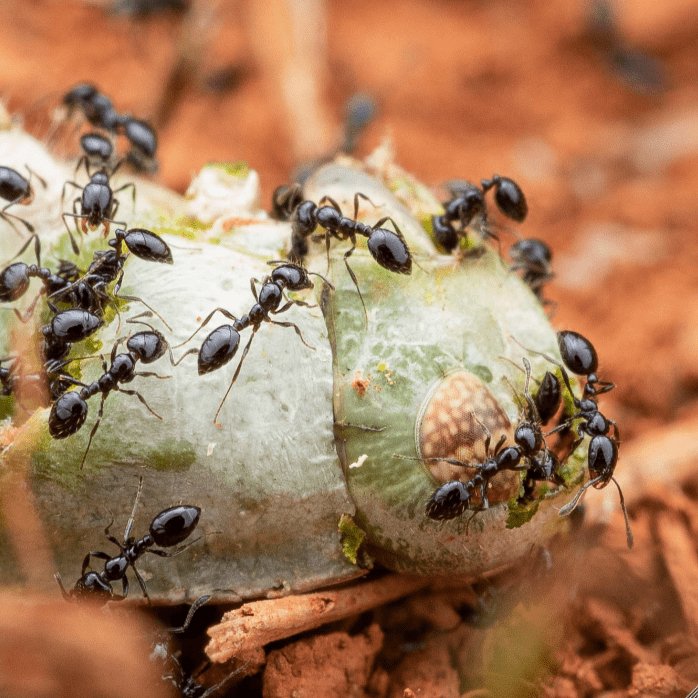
(468, 202)
(98, 205)
(534, 258)
(107, 266)
(580, 357)
(387, 247)
(16, 189)
(95, 106)
(69, 412)
(51, 375)
(143, 141)
(169, 528)
(221, 345)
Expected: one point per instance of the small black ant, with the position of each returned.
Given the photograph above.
(69, 412)
(98, 205)
(143, 140)
(221, 345)
(95, 106)
(468, 202)
(16, 189)
(534, 258)
(57, 380)
(167, 529)
(580, 357)
(107, 266)
(387, 247)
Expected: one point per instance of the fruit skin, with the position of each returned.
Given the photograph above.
(275, 479)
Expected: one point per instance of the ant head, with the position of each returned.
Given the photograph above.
(535, 254)
(508, 458)
(603, 456)
(528, 438)
(115, 568)
(92, 586)
(466, 204)
(81, 93)
(173, 525)
(68, 414)
(390, 251)
(284, 200)
(577, 352)
(293, 277)
(448, 501)
(148, 345)
(146, 245)
(97, 146)
(218, 348)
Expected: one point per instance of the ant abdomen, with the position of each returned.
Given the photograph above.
(174, 525)
(448, 501)
(218, 348)
(577, 352)
(390, 251)
(68, 414)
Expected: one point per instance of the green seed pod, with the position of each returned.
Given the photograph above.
(324, 457)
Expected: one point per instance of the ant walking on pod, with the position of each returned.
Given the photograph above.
(221, 345)
(169, 528)
(387, 247)
(468, 203)
(579, 356)
(69, 412)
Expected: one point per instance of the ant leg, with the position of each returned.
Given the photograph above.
(34, 174)
(58, 579)
(131, 518)
(356, 203)
(130, 185)
(141, 583)
(7, 216)
(99, 555)
(348, 254)
(223, 312)
(235, 375)
(572, 504)
(174, 553)
(630, 539)
(141, 399)
(37, 248)
(333, 203)
(73, 244)
(134, 299)
(124, 587)
(296, 328)
(92, 432)
(151, 374)
(72, 184)
(254, 288)
(85, 564)
(181, 358)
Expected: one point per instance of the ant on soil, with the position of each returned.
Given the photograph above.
(69, 411)
(579, 356)
(98, 205)
(221, 345)
(387, 247)
(167, 529)
(16, 189)
(468, 202)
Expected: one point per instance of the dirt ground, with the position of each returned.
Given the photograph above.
(599, 125)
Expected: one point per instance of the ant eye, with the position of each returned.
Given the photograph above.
(172, 526)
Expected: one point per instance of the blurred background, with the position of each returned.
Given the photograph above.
(590, 105)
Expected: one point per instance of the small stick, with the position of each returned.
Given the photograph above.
(260, 622)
